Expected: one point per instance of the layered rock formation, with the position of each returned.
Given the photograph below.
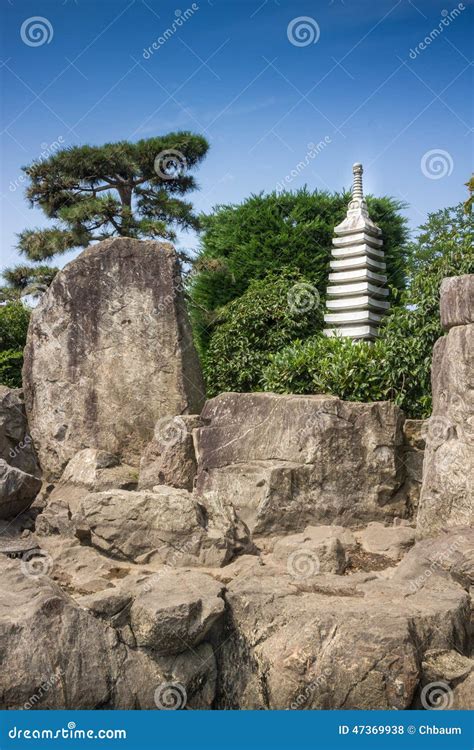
(275, 457)
(109, 353)
(261, 555)
(447, 496)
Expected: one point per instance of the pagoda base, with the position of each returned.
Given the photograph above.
(367, 332)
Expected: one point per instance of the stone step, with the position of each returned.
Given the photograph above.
(359, 274)
(363, 287)
(358, 261)
(358, 249)
(357, 237)
(357, 303)
(353, 332)
(353, 316)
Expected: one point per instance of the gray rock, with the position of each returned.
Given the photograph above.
(273, 458)
(165, 525)
(169, 458)
(457, 301)
(318, 549)
(391, 541)
(174, 611)
(97, 470)
(56, 655)
(446, 665)
(17, 490)
(109, 353)
(413, 455)
(447, 498)
(16, 445)
(357, 646)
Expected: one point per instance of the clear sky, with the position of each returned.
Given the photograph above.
(357, 75)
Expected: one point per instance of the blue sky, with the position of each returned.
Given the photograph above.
(358, 80)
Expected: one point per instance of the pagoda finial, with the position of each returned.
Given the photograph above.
(357, 190)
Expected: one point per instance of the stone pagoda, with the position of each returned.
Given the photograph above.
(357, 292)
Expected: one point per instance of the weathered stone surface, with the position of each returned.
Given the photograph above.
(295, 647)
(165, 525)
(17, 490)
(446, 665)
(447, 497)
(413, 455)
(457, 301)
(16, 445)
(56, 655)
(391, 541)
(275, 457)
(97, 470)
(109, 353)
(318, 549)
(462, 695)
(170, 458)
(173, 612)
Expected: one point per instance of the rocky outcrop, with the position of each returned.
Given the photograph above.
(170, 458)
(447, 498)
(99, 470)
(389, 541)
(285, 462)
(19, 470)
(315, 643)
(16, 445)
(56, 654)
(109, 353)
(17, 490)
(165, 525)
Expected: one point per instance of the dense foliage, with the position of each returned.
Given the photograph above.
(22, 281)
(266, 233)
(397, 366)
(125, 189)
(14, 317)
(273, 312)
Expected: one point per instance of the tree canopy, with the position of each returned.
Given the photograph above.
(125, 189)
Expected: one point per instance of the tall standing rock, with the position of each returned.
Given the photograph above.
(447, 495)
(109, 353)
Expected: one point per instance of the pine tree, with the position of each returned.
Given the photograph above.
(118, 189)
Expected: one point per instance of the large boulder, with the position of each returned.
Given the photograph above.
(170, 458)
(16, 445)
(166, 525)
(173, 612)
(285, 462)
(310, 643)
(99, 470)
(447, 497)
(57, 655)
(109, 353)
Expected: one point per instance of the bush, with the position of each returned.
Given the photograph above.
(272, 313)
(14, 318)
(398, 365)
(267, 233)
(11, 363)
